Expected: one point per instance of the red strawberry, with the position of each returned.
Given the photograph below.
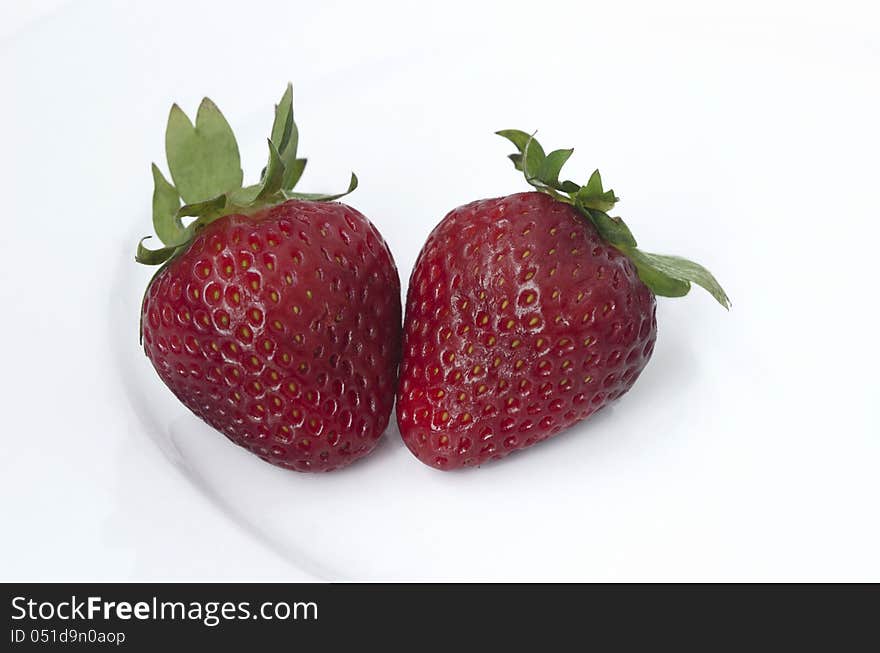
(276, 315)
(526, 314)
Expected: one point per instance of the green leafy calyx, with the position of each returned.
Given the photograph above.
(668, 276)
(206, 177)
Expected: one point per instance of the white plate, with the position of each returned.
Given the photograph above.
(748, 448)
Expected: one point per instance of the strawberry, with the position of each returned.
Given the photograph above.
(275, 316)
(527, 314)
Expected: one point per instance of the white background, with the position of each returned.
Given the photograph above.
(744, 135)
